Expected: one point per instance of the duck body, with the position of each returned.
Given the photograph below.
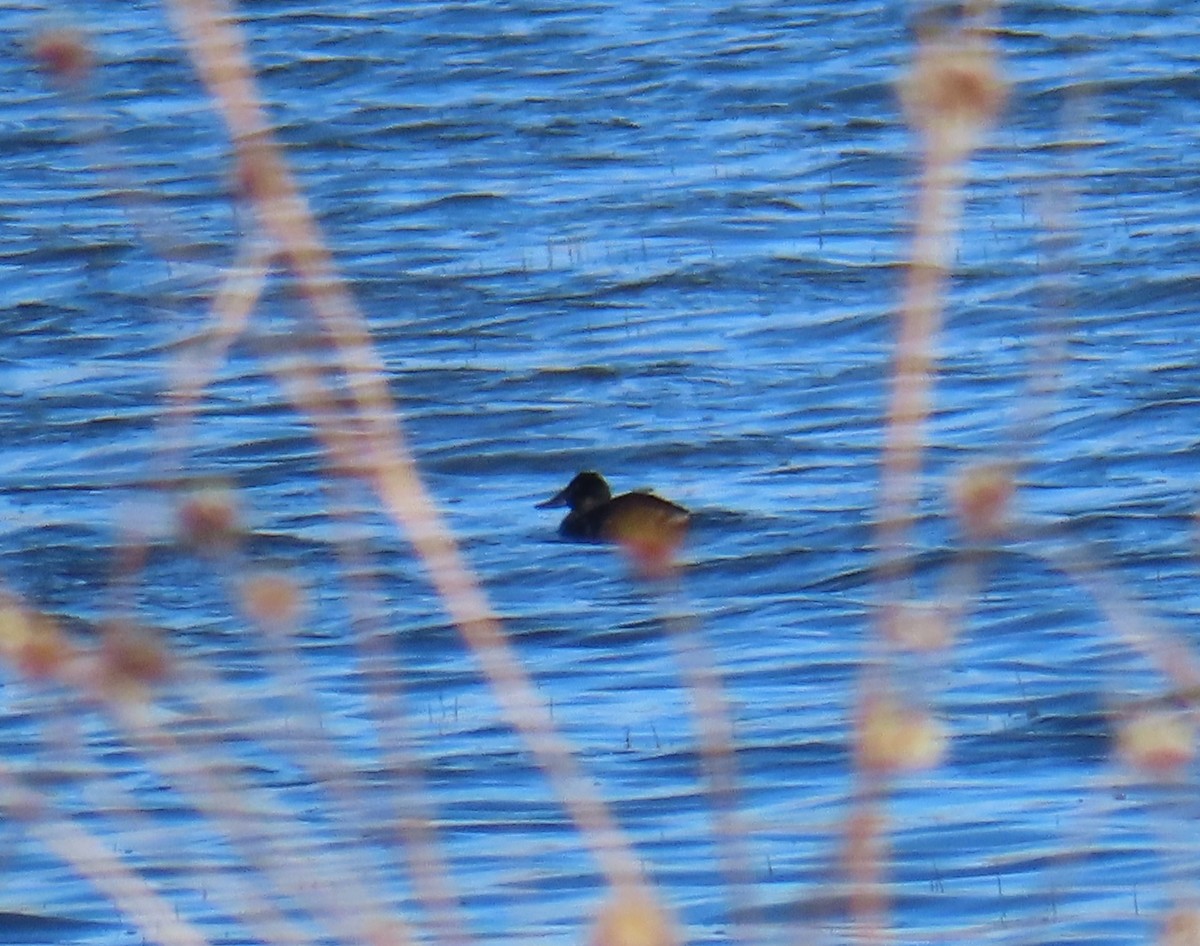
(596, 515)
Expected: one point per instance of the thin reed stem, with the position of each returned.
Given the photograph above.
(714, 732)
(950, 95)
(100, 864)
(913, 373)
(216, 47)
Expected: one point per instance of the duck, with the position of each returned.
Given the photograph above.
(638, 518)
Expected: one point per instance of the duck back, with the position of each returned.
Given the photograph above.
(633, 518)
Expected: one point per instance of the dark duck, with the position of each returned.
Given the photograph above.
(637, 519)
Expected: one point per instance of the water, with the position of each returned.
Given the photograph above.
(663, 241)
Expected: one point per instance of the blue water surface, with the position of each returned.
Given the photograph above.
(665, 241)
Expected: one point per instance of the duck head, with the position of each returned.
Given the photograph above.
(587, 490)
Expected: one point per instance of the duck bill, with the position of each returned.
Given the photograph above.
(558, 499)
